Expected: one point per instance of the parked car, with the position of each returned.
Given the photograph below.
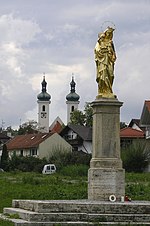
(49, 169)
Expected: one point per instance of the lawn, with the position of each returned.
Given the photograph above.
(138, 186)
(38, 186)
(5, 223)
(57, 186)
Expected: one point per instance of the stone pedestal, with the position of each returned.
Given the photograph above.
(106, 176)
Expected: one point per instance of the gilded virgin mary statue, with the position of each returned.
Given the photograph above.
(105, 58)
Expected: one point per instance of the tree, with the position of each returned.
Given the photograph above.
(28, 127)
(83, 118)
(11, 131)
(88, 114)
(135, 157)
(77, 117)
(4, 158)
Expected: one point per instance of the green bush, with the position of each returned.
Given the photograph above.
(26, 164)
(4, 158)
(135, 158)
(61, 158)
(79, 157)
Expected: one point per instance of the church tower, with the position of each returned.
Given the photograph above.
(43, 108)
(72, 100)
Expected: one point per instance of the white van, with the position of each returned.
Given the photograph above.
(49, 169)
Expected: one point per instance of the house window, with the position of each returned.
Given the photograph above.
(43, 108)
(21, 152)
(33, 151)
(125, 143)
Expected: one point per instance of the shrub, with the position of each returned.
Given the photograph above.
(26, 164)
(61, 159)
(135, 158)
(4, 158)
(79, 157)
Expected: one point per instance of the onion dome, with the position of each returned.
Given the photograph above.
(72, 96)
(44, 96)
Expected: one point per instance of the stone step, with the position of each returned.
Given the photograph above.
(17, 223)
(76, 217)
(86, 206)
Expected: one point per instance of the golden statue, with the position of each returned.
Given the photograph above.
(105, 58)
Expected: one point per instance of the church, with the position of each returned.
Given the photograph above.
(44, 100)
(79, 137)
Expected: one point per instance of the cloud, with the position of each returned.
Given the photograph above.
(15, 88)
(58, 38)
(132, 72)
(17, 30)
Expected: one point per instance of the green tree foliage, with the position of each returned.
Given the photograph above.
(26, 164)
(61, 159)
(4, 158)
(77, 118)
(28, 128)
(135, 157)
(88, 115)
(83, 118)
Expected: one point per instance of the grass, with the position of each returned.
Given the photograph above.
(60, 186)
(38, 186)
(137, 186)
(6, 223)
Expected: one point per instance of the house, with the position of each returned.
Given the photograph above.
(80, 137)
(57, 125)
(40, 145)
(135, 124)
(4, 138)
(145, 118)
(142, 125)
(130, 136)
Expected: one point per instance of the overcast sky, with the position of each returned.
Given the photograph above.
(58, 38)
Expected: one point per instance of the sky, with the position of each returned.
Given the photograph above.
(58, 38)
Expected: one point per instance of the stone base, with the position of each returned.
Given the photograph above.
(106, 163)
(103, 182)
(77, 213)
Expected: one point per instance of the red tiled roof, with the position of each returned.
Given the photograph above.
(131, 133)
(27, 141)
(57, 127)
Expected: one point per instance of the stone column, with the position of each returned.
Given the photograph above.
(106, 176)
